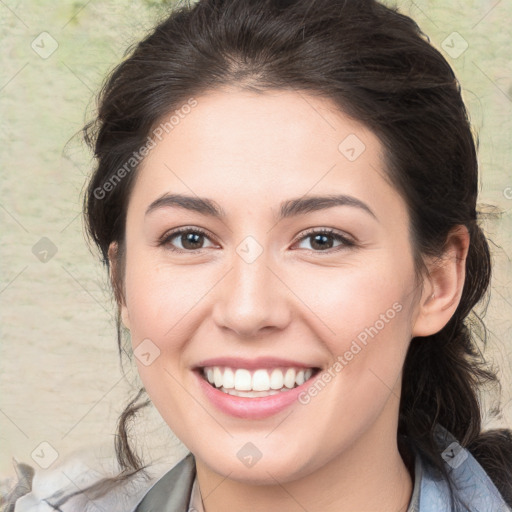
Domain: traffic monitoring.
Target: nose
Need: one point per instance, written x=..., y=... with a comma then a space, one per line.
x=252, y=299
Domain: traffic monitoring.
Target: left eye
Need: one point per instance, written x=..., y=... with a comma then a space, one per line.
x=323, y=239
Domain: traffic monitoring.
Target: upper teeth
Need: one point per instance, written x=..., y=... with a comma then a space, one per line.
x=257, y=380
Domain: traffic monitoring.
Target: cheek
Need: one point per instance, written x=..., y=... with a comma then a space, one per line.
x=160, y=297
x=357, y=302
x=365, y=315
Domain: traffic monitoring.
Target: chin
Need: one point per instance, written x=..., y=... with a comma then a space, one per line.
x=268, y=470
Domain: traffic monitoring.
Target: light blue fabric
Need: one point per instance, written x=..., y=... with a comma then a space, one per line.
x=471, y=483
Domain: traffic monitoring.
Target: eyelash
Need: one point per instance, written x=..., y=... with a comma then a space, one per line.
x=346, y=242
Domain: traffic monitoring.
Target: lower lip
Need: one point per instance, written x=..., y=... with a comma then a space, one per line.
x=251, y=408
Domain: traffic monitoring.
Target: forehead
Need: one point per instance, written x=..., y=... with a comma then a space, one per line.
x=246, y=148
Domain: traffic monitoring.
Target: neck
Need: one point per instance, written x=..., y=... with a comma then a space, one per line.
x=370, y=476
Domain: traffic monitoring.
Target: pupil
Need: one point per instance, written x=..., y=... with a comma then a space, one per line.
x=193, y=239
x=323, y=238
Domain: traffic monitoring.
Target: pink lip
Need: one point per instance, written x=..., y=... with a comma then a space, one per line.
x=251, y=364
x=250, y=408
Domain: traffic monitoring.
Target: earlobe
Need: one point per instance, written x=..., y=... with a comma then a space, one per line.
x=116, y=282
x=442, y=287
x=125, y=317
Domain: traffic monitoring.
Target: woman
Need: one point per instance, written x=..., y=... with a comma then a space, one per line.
x=285, y=197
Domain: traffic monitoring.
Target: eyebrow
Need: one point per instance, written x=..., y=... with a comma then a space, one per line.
x=289, y=208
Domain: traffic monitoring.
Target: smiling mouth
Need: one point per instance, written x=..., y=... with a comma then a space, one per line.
x=256, y=383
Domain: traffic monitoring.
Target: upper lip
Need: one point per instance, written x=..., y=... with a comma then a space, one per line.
x=259, y=362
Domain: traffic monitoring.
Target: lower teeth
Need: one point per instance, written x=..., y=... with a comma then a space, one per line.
x=253, y=394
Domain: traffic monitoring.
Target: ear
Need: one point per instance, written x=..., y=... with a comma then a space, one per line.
x=443, y=285
x=116, y=282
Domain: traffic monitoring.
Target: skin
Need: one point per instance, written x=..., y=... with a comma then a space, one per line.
x=249, y=152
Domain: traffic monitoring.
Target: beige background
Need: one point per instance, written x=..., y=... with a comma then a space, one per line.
x=60, y=380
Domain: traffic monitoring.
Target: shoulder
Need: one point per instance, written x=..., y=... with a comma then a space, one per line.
x=11, y=489
x=471, y=484
x=59, y=487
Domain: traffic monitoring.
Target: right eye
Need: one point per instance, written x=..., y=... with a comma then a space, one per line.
x=191, y=239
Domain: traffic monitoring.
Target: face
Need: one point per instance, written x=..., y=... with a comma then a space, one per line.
x=257, y=284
